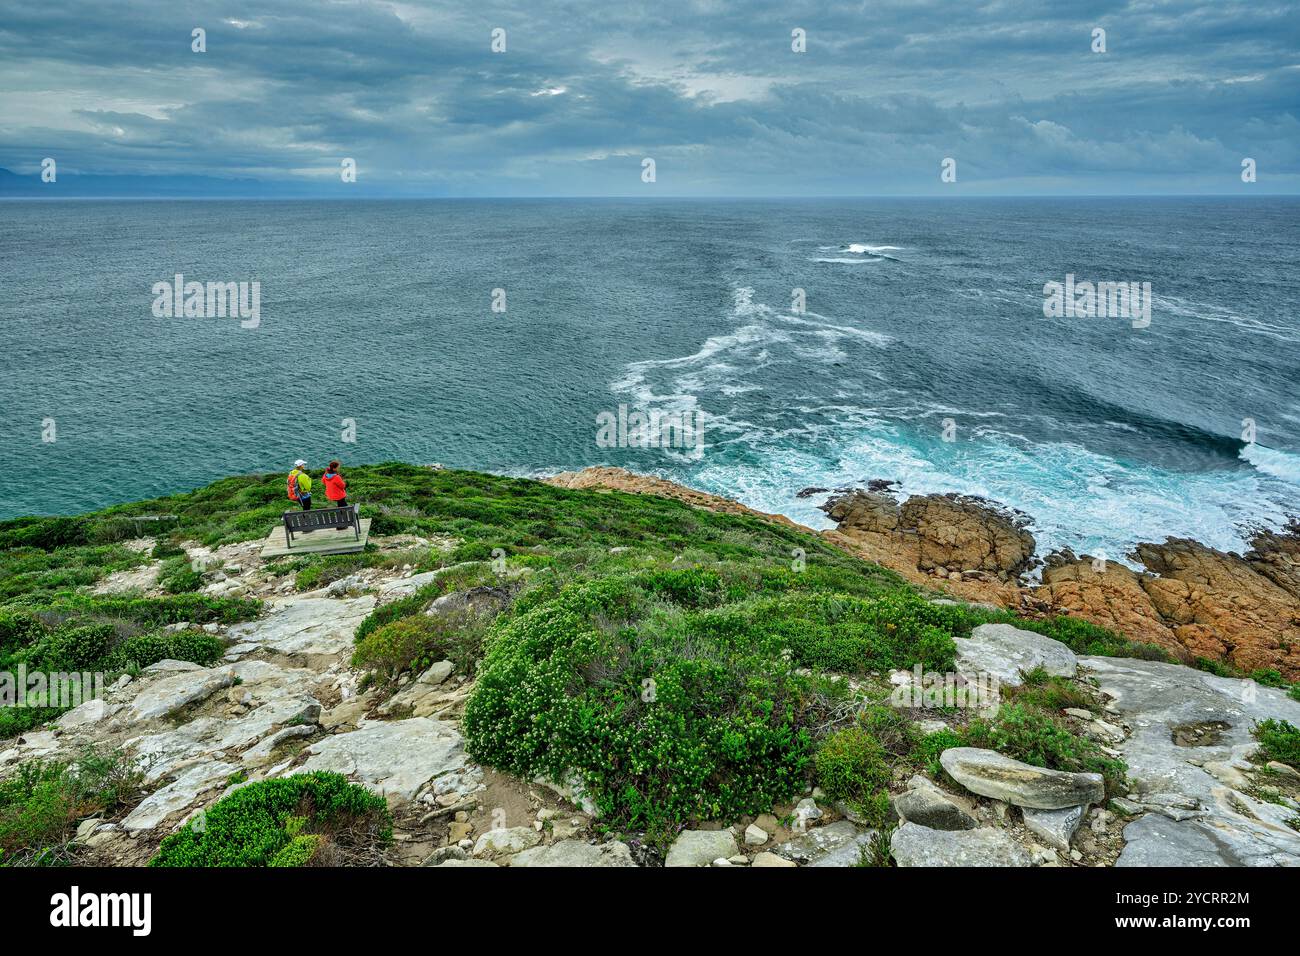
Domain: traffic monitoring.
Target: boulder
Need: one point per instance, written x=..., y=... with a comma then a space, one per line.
x=436, y=674
x=701, y=847
x=990, y=774
x=1172, y=769
x=950, y=533
x=1006, y=652
x=915, y=845
x=769, y=859
x=931, y=808
x=1054, y=827
x=91, y=712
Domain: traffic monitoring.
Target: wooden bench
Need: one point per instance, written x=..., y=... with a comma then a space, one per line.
x=319, y=519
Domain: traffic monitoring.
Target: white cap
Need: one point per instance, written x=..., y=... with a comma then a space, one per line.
x=300, y=464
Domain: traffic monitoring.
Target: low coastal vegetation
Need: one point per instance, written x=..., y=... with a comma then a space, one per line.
x=311, y=819
x=42, y=803
x=672, y=663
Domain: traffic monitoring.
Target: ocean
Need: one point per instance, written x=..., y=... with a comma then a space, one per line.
x=920, y=351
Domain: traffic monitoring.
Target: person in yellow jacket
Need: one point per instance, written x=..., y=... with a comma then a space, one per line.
x=299, y=487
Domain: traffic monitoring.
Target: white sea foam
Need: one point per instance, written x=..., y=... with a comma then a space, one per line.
x=1270, y=461
x=848, y=262
x=1208, y=312
x=860, y=247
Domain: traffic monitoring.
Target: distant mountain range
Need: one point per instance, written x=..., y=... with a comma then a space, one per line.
x=73, y=186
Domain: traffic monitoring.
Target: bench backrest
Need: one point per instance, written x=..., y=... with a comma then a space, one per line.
x=321, y=518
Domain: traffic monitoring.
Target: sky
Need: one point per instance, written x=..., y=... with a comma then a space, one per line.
x=712, y=92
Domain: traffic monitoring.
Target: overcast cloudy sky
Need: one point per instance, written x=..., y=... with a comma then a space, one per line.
x=710, y=90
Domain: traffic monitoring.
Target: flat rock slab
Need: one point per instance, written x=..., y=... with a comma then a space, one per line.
x=394, y=758
x=576, y=853
x=701, y=847
x=836, y=844
x=306, y=626
x=915, y=845
x=169, y=694
x=320, y=541
x=178, y=795
x=506, y=841
x=1006, y=652
x=990, y=774
x=1216, y=821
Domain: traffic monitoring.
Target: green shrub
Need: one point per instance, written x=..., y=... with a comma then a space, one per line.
x=1051, y=693
x=174, y=609
x=931, y=747
x=19, y=628
x=292, y=821
x=177, y=576
x=166, y=548
x=1217, y=668
x=851, y=766
x=471, y=551
x=414, y=643
x=75, y=647
x=1084, y=637
x=1278, y=740
x=453, y=579
x=1269, y=678
x=43, y=801
x=140, y=651
x=660, y=722
x=852, y=635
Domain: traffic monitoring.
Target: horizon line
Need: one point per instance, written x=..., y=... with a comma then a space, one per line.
x=710, y=198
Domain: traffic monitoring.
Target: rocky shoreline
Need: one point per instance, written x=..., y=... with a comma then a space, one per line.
x=1190, y=600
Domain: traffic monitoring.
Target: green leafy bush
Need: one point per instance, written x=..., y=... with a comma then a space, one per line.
x=177, y=576
x=141, y=650
x=174, y=609
x=43, y=801
x=19, y=628
x=1278, y=740
x=294, y=821
x=851, y=766
x=1084, y=637
x=660, y=721
x=414, y=643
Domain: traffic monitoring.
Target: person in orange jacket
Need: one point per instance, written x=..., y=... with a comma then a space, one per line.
x=336, y=489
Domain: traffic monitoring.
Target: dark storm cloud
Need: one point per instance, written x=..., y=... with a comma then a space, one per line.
x=710, y=90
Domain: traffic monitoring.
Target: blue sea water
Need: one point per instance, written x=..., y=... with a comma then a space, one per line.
x=918, y=311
